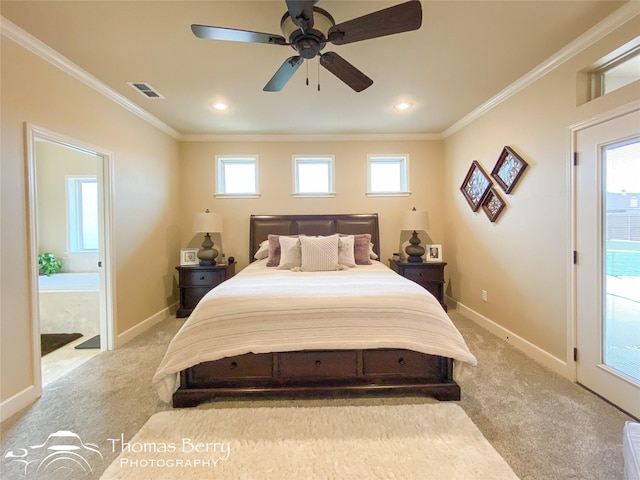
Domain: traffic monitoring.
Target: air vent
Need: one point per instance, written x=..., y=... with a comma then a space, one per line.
x=145, y=89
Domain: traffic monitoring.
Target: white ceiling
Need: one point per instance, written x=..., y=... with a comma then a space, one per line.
x=464, y=54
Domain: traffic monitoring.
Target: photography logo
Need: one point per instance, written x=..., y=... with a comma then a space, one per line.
x=62, y=456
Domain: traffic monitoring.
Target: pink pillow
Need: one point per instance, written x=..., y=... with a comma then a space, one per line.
x=274, y=249
x=361, y=248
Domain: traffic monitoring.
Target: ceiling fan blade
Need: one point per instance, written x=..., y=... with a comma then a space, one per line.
x=284, y=73
x=233, y=35
x=397, y=19
x=301, y=12
x=345, y=71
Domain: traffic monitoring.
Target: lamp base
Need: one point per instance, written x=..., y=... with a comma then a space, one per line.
x=207, y=254
x=414, y=251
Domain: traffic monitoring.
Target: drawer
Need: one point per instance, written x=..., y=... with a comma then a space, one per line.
x=199, y=278
x=192, y=295
x=318, y=363
x=403, y=362
x=424, y=274
x=241, y=366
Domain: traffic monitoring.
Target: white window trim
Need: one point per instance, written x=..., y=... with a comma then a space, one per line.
x=401, y=193
x=75, y=239
x=310, y=158
x=219, y=170
x=607, y=63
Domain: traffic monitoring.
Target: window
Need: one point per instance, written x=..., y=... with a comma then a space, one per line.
x=617, y=73
x=388, y=174
x=237, y=176
x=82, y=203
x=313, y=175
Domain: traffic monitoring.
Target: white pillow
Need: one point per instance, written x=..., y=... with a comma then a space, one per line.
x=319, y=253
x=263, y=251
x=346, y=255
x=290, y=253
x=372, y=254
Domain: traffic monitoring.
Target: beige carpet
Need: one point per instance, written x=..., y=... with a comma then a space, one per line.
x=435, y=441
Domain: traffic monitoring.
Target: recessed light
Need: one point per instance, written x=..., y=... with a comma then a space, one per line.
x=220, y=106
x=402, y=106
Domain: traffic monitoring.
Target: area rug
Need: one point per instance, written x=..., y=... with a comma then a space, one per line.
x=435, y=441
x=93, y=342
x=50, y=342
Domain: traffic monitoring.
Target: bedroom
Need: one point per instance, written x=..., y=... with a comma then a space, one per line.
x=161, y=176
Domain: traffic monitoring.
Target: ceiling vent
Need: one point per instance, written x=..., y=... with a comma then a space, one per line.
x=145, y=89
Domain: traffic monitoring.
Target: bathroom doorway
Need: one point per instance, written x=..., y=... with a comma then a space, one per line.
x=69, y=238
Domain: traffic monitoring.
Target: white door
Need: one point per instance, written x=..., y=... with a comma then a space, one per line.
x=607, y=180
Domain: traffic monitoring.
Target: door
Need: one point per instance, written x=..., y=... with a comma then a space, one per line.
x=61, y=172
x=607, y=182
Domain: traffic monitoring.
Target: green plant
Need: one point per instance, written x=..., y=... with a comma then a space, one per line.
x=48, y=263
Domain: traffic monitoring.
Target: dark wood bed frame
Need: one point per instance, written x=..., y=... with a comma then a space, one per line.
x=317, y=372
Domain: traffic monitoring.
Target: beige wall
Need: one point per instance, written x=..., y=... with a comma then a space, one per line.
x=145, y=168
x=522, y=260
x=275, y=166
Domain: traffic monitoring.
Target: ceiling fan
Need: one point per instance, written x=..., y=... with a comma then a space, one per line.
x=307, y=29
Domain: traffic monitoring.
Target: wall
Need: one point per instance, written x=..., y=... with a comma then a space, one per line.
x=275, y=167
x=145, y=171
x=523, y=260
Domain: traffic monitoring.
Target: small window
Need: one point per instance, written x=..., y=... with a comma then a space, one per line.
x=82, y=206
x=313, y=175
x=237, y=176
x=388, y=174
x=617, y=73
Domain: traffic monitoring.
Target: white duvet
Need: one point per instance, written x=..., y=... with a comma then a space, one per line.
x=263, y=309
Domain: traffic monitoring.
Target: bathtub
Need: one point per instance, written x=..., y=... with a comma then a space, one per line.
x=70, y=303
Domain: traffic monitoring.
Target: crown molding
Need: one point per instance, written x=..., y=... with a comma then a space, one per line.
x=37, y=47
x=372, y=137
x=591, y=36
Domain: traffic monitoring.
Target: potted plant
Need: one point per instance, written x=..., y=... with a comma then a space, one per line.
x=48, y=263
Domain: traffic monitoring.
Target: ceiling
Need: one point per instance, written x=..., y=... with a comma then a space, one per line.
x=465, y=53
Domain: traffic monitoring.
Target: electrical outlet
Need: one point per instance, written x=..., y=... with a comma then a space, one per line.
x=484, y=295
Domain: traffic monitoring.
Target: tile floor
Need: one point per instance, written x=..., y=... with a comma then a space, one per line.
x=61, y=361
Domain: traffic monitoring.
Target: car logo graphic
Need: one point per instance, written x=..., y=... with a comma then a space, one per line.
x=63, y=452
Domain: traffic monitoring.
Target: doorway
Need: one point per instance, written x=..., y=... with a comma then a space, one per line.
x=607, y=273
x=69, y=236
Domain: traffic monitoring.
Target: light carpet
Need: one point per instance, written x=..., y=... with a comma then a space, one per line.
x=435, y=441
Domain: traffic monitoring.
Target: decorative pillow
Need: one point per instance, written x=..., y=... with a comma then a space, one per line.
x=345, y=251
x=290, y=253
x=319, y=253
x=362, y=248
x=274, y=251
x=372, y=255
x=263, y=251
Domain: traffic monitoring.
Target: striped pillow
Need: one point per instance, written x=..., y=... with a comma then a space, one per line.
x=319, y=253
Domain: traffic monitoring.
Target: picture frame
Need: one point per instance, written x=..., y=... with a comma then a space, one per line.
x=493, y=204
x=476, y=185
x=433, y=253
x=508, y=169
x=189, y=256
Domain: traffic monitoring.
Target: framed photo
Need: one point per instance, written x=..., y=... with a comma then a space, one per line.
x=493, y=204
x=508, y=169
x=189, y=256
x=476, y=185
x=434, y=253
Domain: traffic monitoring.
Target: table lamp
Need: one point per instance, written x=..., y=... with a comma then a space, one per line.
x=415, y=220
x=207, y=222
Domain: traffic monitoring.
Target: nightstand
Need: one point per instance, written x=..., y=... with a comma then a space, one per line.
x=195, y=281
x=429, y=275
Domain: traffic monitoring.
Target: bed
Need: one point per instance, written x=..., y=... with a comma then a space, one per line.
x=274, y=330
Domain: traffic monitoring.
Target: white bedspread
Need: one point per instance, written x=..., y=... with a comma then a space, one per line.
x=263, y=310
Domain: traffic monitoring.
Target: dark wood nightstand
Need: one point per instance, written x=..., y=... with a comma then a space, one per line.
x=195, y=281
x=430, y=275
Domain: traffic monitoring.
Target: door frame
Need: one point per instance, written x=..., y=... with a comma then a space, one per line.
x=572, y=326
x=107, y=298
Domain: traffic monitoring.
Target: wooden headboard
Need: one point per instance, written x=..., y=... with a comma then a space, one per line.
x=261, y=226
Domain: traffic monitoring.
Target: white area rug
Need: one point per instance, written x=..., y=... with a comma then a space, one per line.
x=434, y=441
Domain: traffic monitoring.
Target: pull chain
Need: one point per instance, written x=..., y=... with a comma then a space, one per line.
x=318, y=73
x=307, y=73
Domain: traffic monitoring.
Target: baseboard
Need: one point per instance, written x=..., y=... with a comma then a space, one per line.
x=143, y=326
x=529, y=349
x=19, y=401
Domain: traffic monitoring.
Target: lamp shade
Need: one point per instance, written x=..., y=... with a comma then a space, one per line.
x=207, y=222
x=415, y=220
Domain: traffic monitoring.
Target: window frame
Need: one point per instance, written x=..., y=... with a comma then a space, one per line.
x=75, y=225
x=402, y=159
x=597, y=76
x=328, y=160
x=222, y=161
